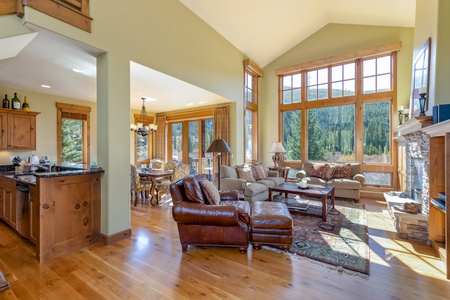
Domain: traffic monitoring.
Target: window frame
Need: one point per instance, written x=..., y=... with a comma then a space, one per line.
x=73, y=110
x=254, y=71
x=359, y=99
x=149, y=120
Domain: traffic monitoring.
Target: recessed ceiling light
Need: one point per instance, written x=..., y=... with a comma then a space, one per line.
x=149, y=99
x=190, y=104
x=45, y=86
x=202, y=102
x=78, y=71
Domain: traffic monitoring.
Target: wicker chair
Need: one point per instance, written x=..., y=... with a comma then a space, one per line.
x=138, y=186
x=162, y=187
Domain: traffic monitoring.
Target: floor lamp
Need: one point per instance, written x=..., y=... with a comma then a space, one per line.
x=219, y=146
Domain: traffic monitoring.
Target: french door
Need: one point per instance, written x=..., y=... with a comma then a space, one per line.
x=188, y=142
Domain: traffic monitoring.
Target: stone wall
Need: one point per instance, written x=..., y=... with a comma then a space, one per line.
x=418, y=146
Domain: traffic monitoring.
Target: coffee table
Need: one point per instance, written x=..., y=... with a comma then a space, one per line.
x=314, y=191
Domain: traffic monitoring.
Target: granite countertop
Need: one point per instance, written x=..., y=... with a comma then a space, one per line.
x=71, y=170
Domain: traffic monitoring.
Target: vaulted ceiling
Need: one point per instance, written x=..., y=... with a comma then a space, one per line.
x=261, y=29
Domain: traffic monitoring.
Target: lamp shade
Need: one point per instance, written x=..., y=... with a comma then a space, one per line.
x=277, y=147
x=219, y=145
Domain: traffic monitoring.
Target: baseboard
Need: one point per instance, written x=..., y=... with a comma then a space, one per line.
x=116, y=237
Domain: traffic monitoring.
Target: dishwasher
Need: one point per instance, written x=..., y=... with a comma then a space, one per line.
x=23, y=204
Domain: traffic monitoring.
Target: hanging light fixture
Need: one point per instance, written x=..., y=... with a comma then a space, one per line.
x=143, y=127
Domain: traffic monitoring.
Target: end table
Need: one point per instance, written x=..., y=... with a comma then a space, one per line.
x=283, y=171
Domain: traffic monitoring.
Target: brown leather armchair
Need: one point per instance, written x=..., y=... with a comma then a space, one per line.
x=203, y=224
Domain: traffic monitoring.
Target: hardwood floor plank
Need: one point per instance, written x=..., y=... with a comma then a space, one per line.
x=151, y=265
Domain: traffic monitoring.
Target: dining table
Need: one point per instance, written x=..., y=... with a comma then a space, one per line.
x=152, y=175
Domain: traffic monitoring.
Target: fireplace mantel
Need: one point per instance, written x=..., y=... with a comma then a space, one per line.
x=415, y=124
x=438, y=129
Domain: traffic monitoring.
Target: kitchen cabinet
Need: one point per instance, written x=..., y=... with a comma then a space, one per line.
x=9, y=202
x=34, y=215
x=17, y=129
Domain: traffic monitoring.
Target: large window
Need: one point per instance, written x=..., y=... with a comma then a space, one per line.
x=73, y=133
x=251, y=74
x=143, y=144
x=340, y=112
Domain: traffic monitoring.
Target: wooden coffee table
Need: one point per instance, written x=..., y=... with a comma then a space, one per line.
x=314, y=191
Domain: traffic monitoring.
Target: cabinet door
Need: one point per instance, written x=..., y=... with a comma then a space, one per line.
x=3, y=134
x=21, y=132
x=34, y=215
x=9, y=207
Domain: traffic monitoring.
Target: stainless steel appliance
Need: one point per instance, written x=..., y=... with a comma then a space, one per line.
x=23, y=209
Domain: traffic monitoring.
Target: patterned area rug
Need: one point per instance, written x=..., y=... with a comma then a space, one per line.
x=341, y=241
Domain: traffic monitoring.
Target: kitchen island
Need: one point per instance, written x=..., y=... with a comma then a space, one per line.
x=59, y=214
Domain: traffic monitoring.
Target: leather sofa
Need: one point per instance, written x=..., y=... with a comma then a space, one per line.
x=200, y=223
x=251, y=191
x=348, y=187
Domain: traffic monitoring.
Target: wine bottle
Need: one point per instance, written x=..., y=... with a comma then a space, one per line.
x=15, y=102
x=6, y=102
x=25, y=105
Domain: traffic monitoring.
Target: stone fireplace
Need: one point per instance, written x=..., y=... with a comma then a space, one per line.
x=417, y=162
x=418, y=169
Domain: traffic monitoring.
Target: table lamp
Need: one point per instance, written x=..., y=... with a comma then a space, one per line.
x=279, y=151
x=219, y=146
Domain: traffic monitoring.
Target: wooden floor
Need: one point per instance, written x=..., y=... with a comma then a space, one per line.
x=150, y=265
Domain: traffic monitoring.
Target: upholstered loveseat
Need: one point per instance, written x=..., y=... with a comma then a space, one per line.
x=346, y=178
x=252, y=181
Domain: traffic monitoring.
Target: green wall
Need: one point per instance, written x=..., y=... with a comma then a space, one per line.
x=331, y=40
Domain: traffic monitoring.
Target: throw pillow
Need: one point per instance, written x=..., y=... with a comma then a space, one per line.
x=342, y=171
x=193, y=190
x=245, y=173
x=319, y=171
x=211, y=192
x=258, y=172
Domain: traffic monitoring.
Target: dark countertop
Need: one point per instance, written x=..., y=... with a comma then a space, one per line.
x=9, y=171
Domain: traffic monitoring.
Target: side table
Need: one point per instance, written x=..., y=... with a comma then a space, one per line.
x=283, y=171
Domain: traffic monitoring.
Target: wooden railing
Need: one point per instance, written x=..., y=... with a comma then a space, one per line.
x=74, y=12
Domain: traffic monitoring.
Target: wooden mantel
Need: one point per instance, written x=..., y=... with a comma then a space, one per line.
x=414, y=124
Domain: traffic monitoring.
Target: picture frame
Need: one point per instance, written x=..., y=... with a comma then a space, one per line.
x=420, y=78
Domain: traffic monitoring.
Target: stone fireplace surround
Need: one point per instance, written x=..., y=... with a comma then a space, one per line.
x=413, y=226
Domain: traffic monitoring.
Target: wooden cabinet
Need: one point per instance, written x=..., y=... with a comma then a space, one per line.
x=34, y=215
x=17, y=129
x=9, y=202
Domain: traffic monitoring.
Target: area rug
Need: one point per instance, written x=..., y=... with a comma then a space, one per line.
x=342, y=241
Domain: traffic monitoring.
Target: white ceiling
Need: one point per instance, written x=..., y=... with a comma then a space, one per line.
x=261, y=29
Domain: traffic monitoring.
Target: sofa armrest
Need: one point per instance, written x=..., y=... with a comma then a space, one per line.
x=272, y=173
x=233, y=184
x=301, y=174
x=229, y=195
x=203, y=214
x=360, y=177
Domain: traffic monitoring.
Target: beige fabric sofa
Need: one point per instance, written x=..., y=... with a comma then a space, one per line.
x=252, y=191
x=344, y=187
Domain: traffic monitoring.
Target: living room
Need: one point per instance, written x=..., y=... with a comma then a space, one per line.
x=265, y=273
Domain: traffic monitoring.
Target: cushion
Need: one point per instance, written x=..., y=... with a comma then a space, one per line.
x=319, y=171
x=228, y=172
x=210, y=191
x=341, y=171
x=245, y=173
x=193, y=189
x=258, y=172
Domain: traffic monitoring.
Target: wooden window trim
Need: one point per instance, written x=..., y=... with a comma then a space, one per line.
x=359, y=99
x=252, y=69
x=64, y=108
x=341, y=59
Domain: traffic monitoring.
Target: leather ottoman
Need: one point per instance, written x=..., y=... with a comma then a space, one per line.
x=271, y=224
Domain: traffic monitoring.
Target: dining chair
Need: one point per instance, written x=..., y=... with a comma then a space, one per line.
x=138, y=186
x=162, y=187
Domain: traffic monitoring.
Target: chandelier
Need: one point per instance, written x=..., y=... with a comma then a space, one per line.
x=143, y=127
